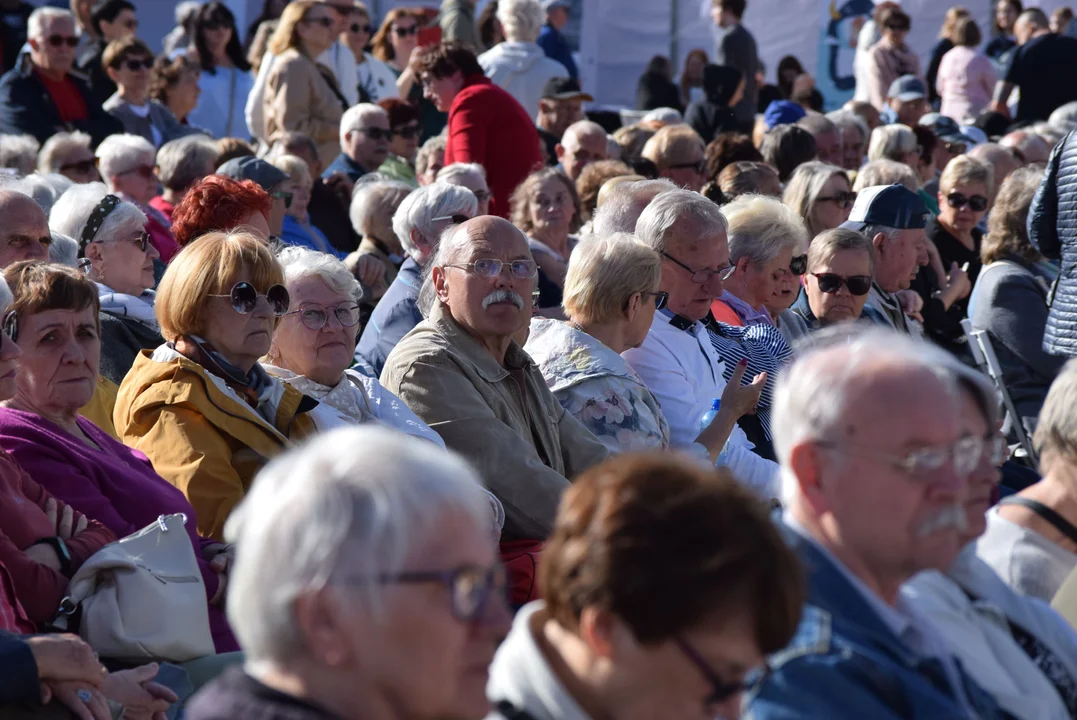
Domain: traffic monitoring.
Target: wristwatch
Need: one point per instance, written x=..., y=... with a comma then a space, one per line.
x=58, y=544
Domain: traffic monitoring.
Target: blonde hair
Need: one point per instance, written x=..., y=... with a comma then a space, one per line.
x=285, y=36
x=671, y=145
x=891, y=142
x=209, y=266
x=295, y=167
x=966, y=170
x=604, y=272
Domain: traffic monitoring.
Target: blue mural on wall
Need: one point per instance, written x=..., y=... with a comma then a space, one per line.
x=837, y=46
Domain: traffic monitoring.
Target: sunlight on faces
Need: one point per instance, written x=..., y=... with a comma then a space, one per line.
x=761, y=282
x=138, y=182
x=241, y=339
x=406, y=144
x=828, y=147
x=556, y=115
x=899, y=260
x=124, y=25
x=404, y=38
x=49, y=57
x=79, y=165
x=61, y=352
x=852, y=153
x=313, y=32
x=580, y=150
x=442, y=91
x=256, y=224
x=183, y=96
x=688, y=298
x=217, y=38
x=985, y=476
x=827, y=214
x=551, y=207
x=841, y=306
x=476, y=183
x=963, y=219
x=784, y=295
x=122, y=265
x=321, y=355
x=135, y=82
x=368, y=151
x=437, y=162
x=24, y=232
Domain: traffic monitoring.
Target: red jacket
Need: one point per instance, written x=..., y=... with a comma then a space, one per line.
x=487, y=126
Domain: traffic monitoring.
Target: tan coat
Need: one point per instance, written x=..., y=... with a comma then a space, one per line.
x=525, y=447
x=300, y=98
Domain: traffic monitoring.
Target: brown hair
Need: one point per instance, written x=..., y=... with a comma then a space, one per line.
x=743, y=178
x=632, y=138
x=382, y=49
x=728, y=148
x=520, y=202
x=894, y=18
x=443, y=60
x=166, y=73
x=118, y=50
x=37, y=287
x=591, y=180
x=666, y=545
x=1006, y=229
x=950, y=21
x=231, y=148
x=967, y=33
x=286, y=36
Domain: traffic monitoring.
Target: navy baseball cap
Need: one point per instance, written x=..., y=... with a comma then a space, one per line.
x=892, y=206
x=252, y=168
x=907, y=88
x=782, y=112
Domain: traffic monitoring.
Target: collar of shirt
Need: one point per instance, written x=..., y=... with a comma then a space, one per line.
x=747, y=313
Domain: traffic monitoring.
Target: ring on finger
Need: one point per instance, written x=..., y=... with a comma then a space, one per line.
x=84, y=695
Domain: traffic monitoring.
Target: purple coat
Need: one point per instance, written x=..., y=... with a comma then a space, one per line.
x=115, y=485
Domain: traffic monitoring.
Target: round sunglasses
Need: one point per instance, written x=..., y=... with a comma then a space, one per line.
x=976, y=203
x=244, y=298
x=830, y=283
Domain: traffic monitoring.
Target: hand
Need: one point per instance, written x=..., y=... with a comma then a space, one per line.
x=64, y=522
x=1000, y=107
x=66, y=658
x=45, y=555
x=94, y=707
x=958, y=282
x=415, y=56
x=742, y=399
x=911, y=302
x=341, y=186
x=221, y=562
x=369, y=271
x=141, y=698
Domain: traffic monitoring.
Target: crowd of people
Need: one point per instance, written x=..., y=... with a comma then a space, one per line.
x=457, y=400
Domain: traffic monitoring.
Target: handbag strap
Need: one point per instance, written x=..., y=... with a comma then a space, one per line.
x=231, y=101
x=1058, y=522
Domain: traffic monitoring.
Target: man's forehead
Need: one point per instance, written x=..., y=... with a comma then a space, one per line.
x=493, y=240
x=59, y=24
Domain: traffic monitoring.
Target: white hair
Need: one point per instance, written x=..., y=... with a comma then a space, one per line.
x=356, y=118
x=44, y=189
x=418, y=210
x=43, y=18
x=805, y=185
x=624, y=205
x=886, y=172
x=119, y=153
x=54, y=152
x=186, y=160
x=658, y=219
x=1064, y=118
x=458, y=173
x=19, y=152
x=352, y=504
x=848, y=120
x=381, y=196
x=579, y=129
x=299, y=262
x=761, y=228
x=891, y=142
x=63, y=250
x=664, y=115
x=522, y=20
x=72, y=210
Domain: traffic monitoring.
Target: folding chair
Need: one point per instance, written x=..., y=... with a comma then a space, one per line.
x=984, y=354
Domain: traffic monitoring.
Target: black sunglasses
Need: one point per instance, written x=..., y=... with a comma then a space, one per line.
x=720, y=689
x=58, y=40
x=323, y=21
x=976, y=203
x=143, y=241
x=244, y=298
x=407, y=132
x=11, y=325
x=356, y=28
x=830, y=283
x=661, y=297
x=136, y=65
x=377, y=133
x=404, y=32
x=799, y=265
x=216, y=25
x=841, y=199
x=283, y=195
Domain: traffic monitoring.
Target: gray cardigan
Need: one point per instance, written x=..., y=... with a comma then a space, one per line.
x=159, y=117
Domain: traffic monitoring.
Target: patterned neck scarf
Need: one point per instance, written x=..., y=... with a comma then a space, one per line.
x=254, y=387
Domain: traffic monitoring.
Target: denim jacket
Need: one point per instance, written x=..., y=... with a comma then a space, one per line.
x=845, y=663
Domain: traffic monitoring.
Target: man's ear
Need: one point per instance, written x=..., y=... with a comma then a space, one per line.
x=112, y=73
x=559, y=150
x=440, y=280
x=805, y=465
x=418, y=240
x=880, y=242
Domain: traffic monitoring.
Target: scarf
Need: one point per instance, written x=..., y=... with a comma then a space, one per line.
x=255, y=387
x=139, y=309
x=347, y=396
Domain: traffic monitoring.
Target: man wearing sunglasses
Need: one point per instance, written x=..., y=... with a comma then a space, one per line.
x=112, y=20
x=365, y=135
x=41, y=97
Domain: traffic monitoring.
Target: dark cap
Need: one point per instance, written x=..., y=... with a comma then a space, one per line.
x=907, y=88
x=252, y=168
x=893, y=206
x=564, y=89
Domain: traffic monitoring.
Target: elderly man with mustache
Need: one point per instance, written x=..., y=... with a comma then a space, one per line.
x=461, y=371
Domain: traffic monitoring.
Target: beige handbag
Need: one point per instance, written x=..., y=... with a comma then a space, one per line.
x=142, y=597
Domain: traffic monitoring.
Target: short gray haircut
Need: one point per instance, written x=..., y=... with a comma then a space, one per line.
x=63, y=250
x=371, y=198
x=818, y=125
x=356, y=118
x=604, y=272
x=184, y=161
x=522, y=20
x=761, y=228
x=846, y=120
x=805, y=186
x=42, y=19
x=44, y=189
x=658, y=219
x=456, y=173
x=54, y=153
x=581, y=128
x=626, y=202
x=891, y=142
x=1064, y=118
x=1049, y=133
x=353, y=503
x=119, y=153
x=72, y=210
x=419, y=209
x=870, y=231
x=886, y=172
x=426, y=153
x=19, y=152
x=1056, y=429
x=829, y=243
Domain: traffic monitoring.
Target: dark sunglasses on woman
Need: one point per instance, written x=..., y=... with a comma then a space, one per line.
x=830, y=283
x=143, y=241
x=82, y=166
x=139, y=64
x=217, y=25
x=661, y=297
x=976, y=203
x=842, y=199
x=323, y=21
x=356, y=28
x=11, y=325
x=404, y=32
x=244, y=298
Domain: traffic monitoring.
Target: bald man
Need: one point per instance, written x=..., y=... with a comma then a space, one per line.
x=1029, y=148
x=461, y=371
x=583, y=143
x=24, y=229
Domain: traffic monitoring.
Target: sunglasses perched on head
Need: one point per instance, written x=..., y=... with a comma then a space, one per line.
x=245, y=298
x=58, y=40
x=976, y=203
x=830, y=283
x=799, y=265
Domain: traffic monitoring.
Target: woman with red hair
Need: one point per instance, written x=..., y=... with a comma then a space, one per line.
x=221, y=203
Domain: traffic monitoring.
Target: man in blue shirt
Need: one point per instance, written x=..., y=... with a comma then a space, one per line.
x=552, y=41
x=364, y=142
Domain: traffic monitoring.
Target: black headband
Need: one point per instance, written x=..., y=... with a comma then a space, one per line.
x=97, y=219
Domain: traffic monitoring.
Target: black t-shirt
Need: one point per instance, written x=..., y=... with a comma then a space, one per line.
x=1042, y=68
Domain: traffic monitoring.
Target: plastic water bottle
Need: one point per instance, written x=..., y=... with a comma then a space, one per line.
x=708, y=417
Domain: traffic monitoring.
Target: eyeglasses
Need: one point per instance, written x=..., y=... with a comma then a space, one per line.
x=700, y=166
x=799, y=265
x=244, y=298
x=842, y=199
x=964, y=454
x=491, y=268
x=142, y=240
x=283, y=195
x=376, y=134
x=11, y=325
x=58, y=40
x=315, y=316
x=976, y=203
x=720, y=689
x=136, y=65
x=407, y=132
x=456, y=219
x=144, y=171
x=344, y=10
x=82, y=166
x=470, y=587
x=661, y=297
x=404, y=32
x=482, y=196
x=700, y=277
x=830, y=283
x=323, y=21
x=356, y=28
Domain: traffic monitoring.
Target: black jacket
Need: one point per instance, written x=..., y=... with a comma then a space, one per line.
x=90, y=65
x=18, y=670
x=27, y=108
x=1052, y=229
x=655, y=90
x=712, y=115
x=122, y=339
x=942, y=47
x=237, y=696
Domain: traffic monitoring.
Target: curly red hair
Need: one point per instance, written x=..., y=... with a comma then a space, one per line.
x=217, y=203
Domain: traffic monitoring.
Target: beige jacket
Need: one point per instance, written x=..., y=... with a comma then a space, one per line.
x=300, y=98
x=526, y=448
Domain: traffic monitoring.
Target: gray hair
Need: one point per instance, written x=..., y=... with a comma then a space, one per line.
x=1050, y=133
x=818, y=125
x=426, y=153
x=579, y=129
x=120, y=153
x=185, y=161
x=658, y=219
x=626, y=202
x=1056, y=429
x=352, y=503
x=44, y=189
x=299, y=262
x=63, y=250
x=383, y=196
x=806, y=184
x=1064, y=118
x=891, y=142
x=847, y=120
x=886, y=172
x=72, y=210
x=604, y=272
x=522, y=20
x=870, y=231
x=43, y=18
x=19, y=152
x=419, y=209
x=761, y=228
x=54, y=152
x=356, y=118
x=829, y=243
x=457, y=173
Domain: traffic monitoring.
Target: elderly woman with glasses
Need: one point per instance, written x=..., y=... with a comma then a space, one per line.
x=115, y=249
x=128, y=167
x=611, y=296
x=546, y=208
x=200, y=407
x=821, y=194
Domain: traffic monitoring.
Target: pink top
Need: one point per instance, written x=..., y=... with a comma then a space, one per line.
x=965, y=82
